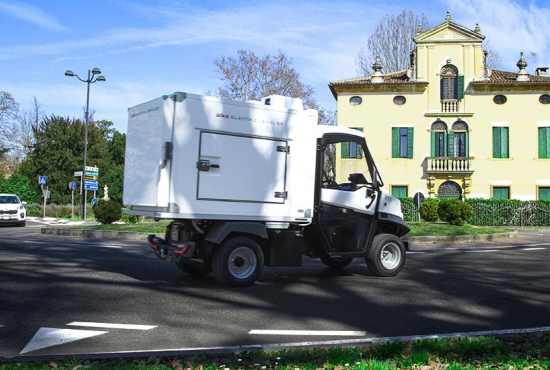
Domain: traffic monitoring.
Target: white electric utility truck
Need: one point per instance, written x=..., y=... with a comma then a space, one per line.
x=246, y=184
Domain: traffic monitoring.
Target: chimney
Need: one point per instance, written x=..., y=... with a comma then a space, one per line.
x=542, y=71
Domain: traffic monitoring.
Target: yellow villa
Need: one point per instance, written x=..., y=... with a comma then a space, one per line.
x=449, y=126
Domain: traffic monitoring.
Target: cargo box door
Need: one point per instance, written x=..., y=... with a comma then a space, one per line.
x=241, y=168
x=146, y=173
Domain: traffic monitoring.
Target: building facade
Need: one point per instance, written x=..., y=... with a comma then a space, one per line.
x=449, y=126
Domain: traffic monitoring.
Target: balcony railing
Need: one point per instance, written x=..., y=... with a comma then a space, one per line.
x=450, y=165
x=449, y=106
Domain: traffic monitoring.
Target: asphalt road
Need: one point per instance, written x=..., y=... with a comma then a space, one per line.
x=73, y=296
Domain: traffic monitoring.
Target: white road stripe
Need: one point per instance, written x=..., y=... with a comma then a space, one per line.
x=106, y=246
x=344, y=342
x=48, y=337
x=532, y=249
x=482, y=251
x=309, y=332
x=416, y=252
x=111, y=326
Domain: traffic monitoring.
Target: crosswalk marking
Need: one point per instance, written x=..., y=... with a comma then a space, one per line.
x=111, y=326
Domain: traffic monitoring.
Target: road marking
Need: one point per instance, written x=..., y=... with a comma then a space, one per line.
x=482, y=251
x=416, y=252
x=309, y=332
x=111, y=326
x=105, y=246
x=532, y=249
x=49, y=337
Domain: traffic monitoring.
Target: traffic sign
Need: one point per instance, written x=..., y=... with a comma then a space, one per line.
x=72, y=185
x=91, y=185
x=94, y=201
x=88, y=168
x=78, y=173
x=41, y=180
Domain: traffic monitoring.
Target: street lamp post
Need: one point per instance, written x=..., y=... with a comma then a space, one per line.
x=92, y=77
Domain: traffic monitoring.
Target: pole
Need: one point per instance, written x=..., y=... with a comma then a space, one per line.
x=72, y=203
x=86, y=141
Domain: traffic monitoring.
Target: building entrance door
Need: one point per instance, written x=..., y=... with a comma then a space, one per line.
x=449, y=190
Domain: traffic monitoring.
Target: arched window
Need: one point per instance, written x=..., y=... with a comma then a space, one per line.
x=459, y=140
x=449, y=76
x=452, y=85
x=439, y=139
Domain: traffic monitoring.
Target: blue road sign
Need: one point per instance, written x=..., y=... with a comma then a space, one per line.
x=72, y=185
x=94, y=201
x=41, y=180
x=91, y=185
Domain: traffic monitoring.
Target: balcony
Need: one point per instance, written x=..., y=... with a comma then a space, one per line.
x=449, y=106
x=450, y=165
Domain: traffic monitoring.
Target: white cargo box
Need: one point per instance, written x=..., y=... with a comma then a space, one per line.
x=196, y=157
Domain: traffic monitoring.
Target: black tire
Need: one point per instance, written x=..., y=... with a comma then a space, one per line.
x=386, y=256
x=22, y=223
x=238, y=261
x=193, y=269
x=335, y=263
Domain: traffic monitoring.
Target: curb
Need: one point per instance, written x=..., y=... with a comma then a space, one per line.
x=460, y=238
x=95, y=234
x=129, y=235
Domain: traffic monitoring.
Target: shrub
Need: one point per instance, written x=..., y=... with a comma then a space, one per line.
x=107, y=211
x=428, y=210
x=131, y=219
x=454, y=212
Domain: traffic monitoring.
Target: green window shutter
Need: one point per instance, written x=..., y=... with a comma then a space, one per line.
x=435, y=143
x=441, y=88
x=460, y=87
x=544, y=142
x=359, y=152
x=544, y=193
x=399, y=191
x=344, y=150
x=410, y=142
x=467, y=144
x=501, y=193
x=496, y=142
x=395, y=142
x=505, y=152
x=451, y=144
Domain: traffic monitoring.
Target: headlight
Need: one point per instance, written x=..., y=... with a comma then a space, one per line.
x=21, y=207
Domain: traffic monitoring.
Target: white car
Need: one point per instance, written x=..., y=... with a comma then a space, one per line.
x=12, y=210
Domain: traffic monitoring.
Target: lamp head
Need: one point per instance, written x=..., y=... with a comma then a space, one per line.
x=96, y=71
x=69, y=73
x=101, y=78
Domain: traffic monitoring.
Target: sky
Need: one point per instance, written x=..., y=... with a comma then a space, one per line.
x=146, y=49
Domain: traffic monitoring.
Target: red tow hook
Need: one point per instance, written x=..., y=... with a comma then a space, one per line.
x=183, y=250
x=151, y=239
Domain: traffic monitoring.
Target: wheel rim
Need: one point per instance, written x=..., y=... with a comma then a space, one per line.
x=242, y=263
x=390, y=256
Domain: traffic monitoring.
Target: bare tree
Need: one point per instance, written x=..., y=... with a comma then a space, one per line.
x=493, y=59
x=249, y=77
x=393, y=41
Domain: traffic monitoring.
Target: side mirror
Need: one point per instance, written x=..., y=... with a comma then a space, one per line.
x=24, y=203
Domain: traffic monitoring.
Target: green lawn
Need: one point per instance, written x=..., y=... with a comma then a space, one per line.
x=417, y=228
x=512, y=352
x=444, y=229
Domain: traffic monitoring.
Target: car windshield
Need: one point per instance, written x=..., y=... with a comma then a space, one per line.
x=10, y=199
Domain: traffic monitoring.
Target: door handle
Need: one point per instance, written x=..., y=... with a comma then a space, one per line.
x=205, y=165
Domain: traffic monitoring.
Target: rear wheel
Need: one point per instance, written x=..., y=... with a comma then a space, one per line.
x=238, y=261
x=386, y=256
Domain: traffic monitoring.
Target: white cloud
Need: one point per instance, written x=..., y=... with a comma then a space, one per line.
x=510, y=27
x=31, y=14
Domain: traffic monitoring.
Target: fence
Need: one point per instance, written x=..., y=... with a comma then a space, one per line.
x=510, y=213
x=493, y=212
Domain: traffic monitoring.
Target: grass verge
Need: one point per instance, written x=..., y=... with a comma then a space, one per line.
x=444, y=229
x=511, y=352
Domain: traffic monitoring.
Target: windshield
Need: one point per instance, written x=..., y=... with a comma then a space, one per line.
x=8, y=199
x=347, y=160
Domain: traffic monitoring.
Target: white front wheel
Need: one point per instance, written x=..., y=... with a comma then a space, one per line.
x=386, y=256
